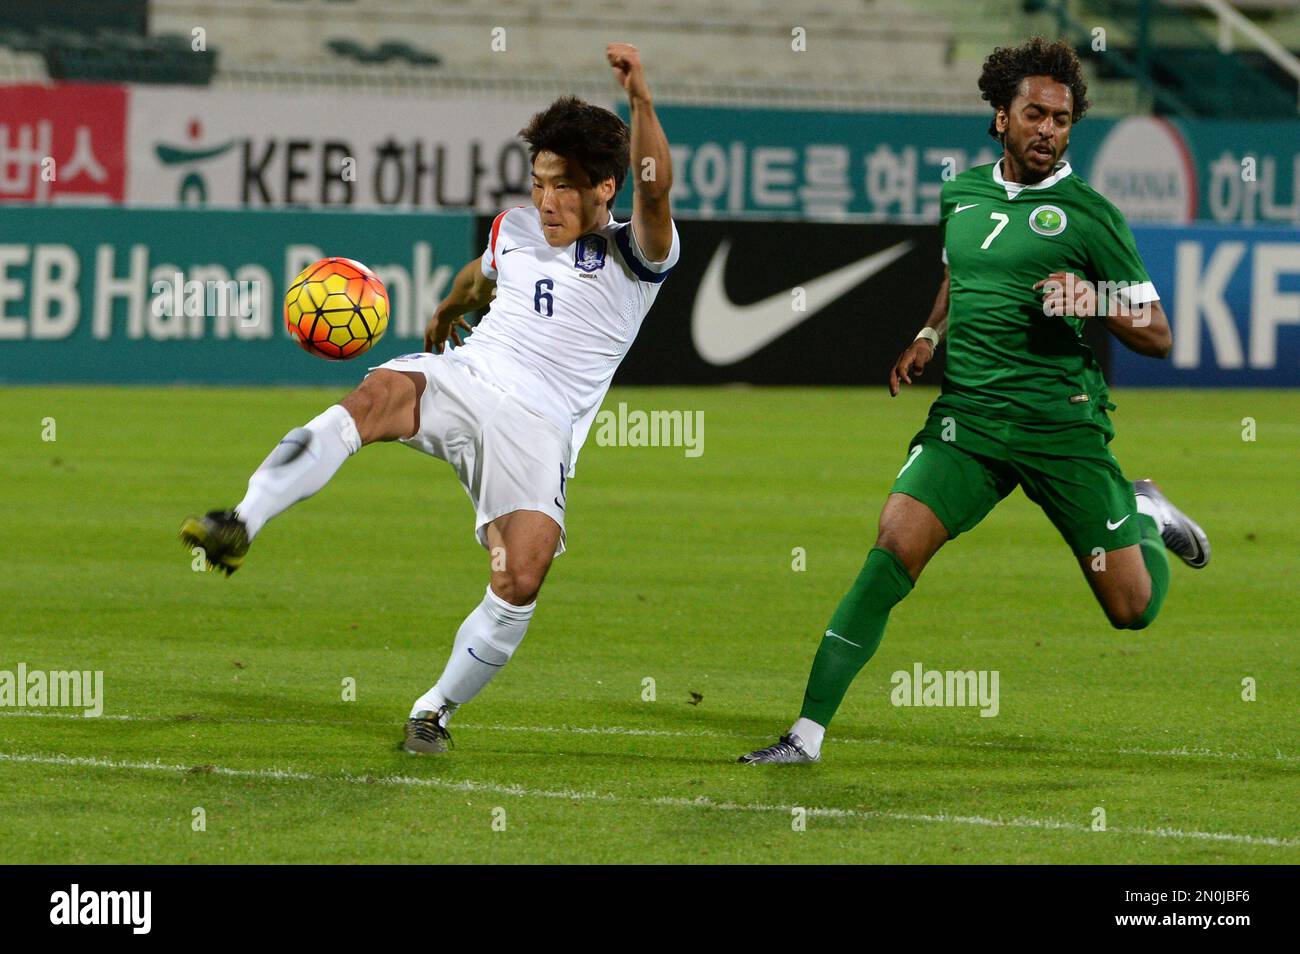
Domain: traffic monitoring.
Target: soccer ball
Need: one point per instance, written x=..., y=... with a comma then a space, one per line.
x=336, y=309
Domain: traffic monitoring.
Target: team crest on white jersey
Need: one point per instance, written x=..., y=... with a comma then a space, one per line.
x=589, y=253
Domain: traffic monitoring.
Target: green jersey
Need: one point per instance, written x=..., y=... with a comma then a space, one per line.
x=1006, y=357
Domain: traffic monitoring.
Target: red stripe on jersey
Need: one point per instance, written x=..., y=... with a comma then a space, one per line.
x=492, y=242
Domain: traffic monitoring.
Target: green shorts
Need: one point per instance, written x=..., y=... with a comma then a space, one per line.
x=960, y=465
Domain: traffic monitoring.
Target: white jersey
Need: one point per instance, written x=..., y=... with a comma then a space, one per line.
x=563, y=318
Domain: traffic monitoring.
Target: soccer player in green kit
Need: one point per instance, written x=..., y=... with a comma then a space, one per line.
x=1032, y=254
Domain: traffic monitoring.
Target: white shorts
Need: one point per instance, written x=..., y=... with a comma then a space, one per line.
x=507, y=456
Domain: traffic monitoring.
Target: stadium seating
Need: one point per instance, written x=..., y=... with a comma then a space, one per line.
x=858, y=52
x=21, y=57
x=63, y=46
x=884, y=54
x=21, y=66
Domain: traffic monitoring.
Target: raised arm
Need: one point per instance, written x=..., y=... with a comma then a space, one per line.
x=921, y=350
x=470, y=291
x=652, y=164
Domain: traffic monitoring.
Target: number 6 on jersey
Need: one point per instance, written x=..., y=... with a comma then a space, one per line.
x=541, y=297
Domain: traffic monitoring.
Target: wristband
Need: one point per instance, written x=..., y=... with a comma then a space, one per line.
x=930, y=335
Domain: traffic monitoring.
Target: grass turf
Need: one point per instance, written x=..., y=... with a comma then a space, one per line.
x=226, y=695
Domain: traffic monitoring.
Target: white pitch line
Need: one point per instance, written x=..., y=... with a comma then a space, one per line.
x=495, y=788
x=1181, y=752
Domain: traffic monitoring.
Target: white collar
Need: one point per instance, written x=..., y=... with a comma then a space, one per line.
x=1059, y=172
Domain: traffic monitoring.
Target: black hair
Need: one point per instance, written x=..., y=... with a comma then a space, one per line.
x=593, y=137
x=1007, y=66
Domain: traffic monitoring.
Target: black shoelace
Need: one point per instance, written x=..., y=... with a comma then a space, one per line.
x=783, y=746
x=428, y=730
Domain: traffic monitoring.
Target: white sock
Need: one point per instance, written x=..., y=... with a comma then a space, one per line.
x=484, y=644
x=1151, y=508
x=810, y=734
x=300, y=465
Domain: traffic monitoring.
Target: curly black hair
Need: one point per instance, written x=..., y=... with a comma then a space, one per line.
x=1008, y=65
x=593, y=137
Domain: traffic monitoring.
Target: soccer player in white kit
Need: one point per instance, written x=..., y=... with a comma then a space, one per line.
x=510, y=405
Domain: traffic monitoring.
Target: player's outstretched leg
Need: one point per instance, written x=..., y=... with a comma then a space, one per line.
x=1131, y=584
x=910, y=534
x=384, y=407
x=1163, y=526
x=523, y=543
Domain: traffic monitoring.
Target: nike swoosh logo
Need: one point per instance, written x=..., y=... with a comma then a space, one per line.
x=963, y=208
x=1115, y=526
x=507, y=251
x=484, y=661
x=842, y=639
x=725, y=332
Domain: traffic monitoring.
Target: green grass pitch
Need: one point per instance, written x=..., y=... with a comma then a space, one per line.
x=226, y=695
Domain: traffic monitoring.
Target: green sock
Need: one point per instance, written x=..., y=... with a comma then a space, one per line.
x=854, y=633
x=1157, y=561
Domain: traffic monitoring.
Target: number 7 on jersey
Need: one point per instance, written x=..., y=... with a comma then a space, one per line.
x=1002, y=219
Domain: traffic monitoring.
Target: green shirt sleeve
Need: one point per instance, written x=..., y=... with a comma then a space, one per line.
x=1113, y=257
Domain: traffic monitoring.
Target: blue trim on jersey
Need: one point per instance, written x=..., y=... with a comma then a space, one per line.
x=623, y=239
